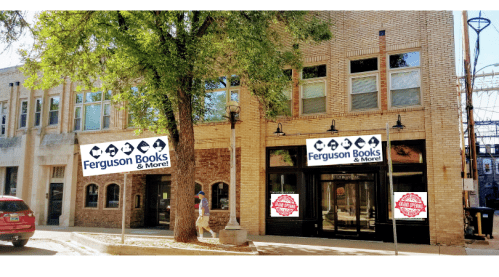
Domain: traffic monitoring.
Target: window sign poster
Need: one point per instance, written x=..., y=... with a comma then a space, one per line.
x=411, y=205
x=344, y=150
x=284, y=205
x=125, y=155
x=487, y=166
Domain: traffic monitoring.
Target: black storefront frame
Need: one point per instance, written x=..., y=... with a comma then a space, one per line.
x=309, y=221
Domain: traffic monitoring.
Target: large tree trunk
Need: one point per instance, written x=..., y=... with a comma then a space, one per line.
x=185, y=174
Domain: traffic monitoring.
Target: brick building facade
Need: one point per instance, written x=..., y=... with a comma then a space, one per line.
x=379, y=64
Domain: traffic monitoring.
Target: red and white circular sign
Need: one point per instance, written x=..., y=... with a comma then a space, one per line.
x=284, y=205
x=411, y=205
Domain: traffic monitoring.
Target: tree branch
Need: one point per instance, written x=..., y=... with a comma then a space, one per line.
x=207, y=22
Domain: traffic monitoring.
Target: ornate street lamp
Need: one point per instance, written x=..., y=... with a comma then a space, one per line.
x=233, y=110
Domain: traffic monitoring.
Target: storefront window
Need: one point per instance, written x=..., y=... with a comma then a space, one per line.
x=407, y=154
x=11, y=181
x=220, y=196
x=406, y=182
x=282, y=183
x=283, y=157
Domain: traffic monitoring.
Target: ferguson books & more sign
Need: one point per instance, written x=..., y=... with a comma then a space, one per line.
x=125, y=156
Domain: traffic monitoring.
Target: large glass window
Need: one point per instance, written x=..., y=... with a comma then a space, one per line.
x=11, y=181
x=283, y=183
x=23, y=114
x=313, y=89
x=92, y=196
x=220, y=91
x=283, y=157
x=406, y=182
x=220, y=196
x=405, y=80
x=38, y=111
x=92, y=111
x=3, y=118
x=54, y=111
x=364, y=84
x=112, y=196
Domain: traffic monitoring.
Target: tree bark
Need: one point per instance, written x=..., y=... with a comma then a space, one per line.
x=185, y=230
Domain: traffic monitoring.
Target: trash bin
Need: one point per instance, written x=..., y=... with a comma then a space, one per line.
x=487, y=219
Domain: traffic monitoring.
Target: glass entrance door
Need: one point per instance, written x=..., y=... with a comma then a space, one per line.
x=158, y=196
x=347, y=203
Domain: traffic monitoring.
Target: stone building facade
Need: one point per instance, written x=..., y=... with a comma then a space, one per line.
x=379, y=65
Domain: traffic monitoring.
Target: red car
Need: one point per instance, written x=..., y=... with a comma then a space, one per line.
x=17, y=221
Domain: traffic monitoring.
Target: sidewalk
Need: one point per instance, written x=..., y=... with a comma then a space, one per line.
x=281, y=245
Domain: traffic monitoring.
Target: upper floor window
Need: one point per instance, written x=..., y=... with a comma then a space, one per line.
x=92, y=111
x=405, y=80
x=221, y=91
x=92, y=196
x=23, y=116
x=54, y=110
x=288, y=92
x=3, y=118
x=38, y=111
x=313, y=89
x=220, y=196
x=113, y=196
x=364, y=84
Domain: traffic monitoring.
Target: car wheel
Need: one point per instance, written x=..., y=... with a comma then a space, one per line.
x=20, y=243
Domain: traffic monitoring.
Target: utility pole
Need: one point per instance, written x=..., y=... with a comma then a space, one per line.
x=469, y=102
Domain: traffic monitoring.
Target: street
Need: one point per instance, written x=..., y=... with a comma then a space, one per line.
x=47, y=247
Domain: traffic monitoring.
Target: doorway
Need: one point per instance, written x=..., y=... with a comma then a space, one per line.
x=347, y=204
x=55, y=203
x=158, y=197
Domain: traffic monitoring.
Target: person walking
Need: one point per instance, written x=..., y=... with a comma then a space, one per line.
x=204, y=216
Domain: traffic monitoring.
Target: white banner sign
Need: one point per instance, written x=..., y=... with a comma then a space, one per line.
x=125, y=155
x=344, y=150
x=411, y=205
x=284, y=205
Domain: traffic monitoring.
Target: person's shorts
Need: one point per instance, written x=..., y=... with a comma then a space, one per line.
x=203, y=221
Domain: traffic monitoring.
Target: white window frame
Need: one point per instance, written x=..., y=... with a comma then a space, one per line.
x=50, y=110
x=82, y=106
x=390, y=71
x=25, y=114
x=309, y=81
x=228, y=92
x=2, y=114
x=360, y=75
x=38, y=112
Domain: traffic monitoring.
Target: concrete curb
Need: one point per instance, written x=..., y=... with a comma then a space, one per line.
x=149, y=250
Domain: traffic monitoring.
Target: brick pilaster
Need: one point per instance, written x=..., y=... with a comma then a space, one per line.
x=382, y=71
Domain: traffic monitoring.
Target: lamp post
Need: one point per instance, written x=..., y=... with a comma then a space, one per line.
x=232, y=109
x=494, y=64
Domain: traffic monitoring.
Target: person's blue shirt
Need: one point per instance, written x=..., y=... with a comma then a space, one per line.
x=204, y=204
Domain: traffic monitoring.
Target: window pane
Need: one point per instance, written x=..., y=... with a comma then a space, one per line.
x=77, y=124
x=235, y=81
x=314, y=105
x=92, y=117
x=108, y=95
x=220, y=196
x=54, y=103
x=38, y=105
x=4, y=119
x=234, y=95
x=5, y=107
x=364, y=65
x=54, y=117
x=404, y=60
x=283, y=157
x=288, y=73
x=37, y=119
x=314, y=72
x=106, y=122
x=92, y=196
x=78, y=112
x=312, y=90
x=93, y=97
x=364, y=101
x=406, y=182
x=22, y=123
x=79, y=98
x=404, y=80
x=215, y=103
x=405, y=97
x=107, y=109
x=364, y=84
x=2, y=130
x=283, y=183
x=130, y=119
x=216, y=83
x=404, y=154
x=113, y=196
x=24, y=107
